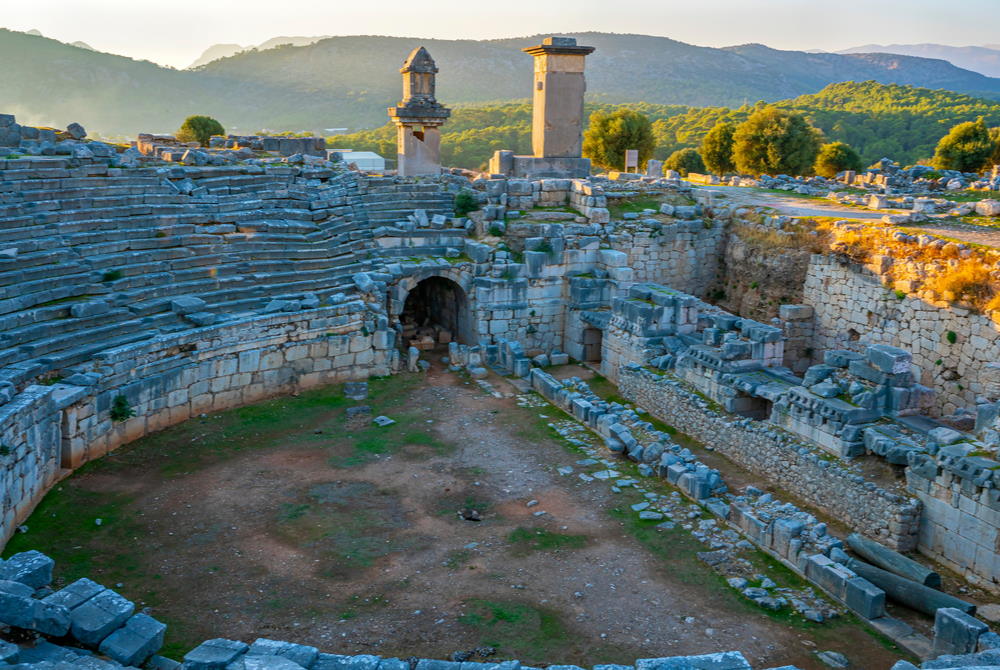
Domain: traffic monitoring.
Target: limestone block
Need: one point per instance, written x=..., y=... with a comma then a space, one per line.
x=137, y=640
x=298, y=653
x=956, y=632
x=369, y=662
x=95, y=619
x=214, y=654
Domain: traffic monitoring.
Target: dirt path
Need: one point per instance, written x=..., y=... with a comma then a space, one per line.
x=793, y=206
x=294, y=526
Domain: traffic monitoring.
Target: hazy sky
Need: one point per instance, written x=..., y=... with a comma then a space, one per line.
x=175, y=32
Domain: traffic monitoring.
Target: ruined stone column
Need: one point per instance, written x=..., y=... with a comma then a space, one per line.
x=418, y=118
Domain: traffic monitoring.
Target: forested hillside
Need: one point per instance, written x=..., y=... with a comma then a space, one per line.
x=901, y=122
x=349, y=81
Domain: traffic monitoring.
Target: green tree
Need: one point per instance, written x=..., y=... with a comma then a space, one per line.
x=199, y=129
x=966, y=147
x=685, y=161
x=995, y=157
x=775, y=141
x=836, y=157
x=611, y=133
x=717, y=148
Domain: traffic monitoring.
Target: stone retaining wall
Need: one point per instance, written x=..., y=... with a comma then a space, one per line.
x=864, y=507
x=29, y=452
x=48, y=431
x=853, y=307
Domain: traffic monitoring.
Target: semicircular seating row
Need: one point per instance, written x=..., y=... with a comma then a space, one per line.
x=92, y=257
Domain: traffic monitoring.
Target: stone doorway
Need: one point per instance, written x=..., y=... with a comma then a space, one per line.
x=593, y=339
x=436, y=312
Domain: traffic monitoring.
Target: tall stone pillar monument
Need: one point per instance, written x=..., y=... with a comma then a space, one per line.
x=557, y=126
x=418, y=118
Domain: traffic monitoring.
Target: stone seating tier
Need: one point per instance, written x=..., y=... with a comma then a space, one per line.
x=96, y=255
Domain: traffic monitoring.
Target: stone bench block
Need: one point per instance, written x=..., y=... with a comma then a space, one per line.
x=137, y=640
x=28, y=567
x=729, y=660
x=263, y=662
x=26, y=612
x=95, y=619
x=214, y=654
x=864, y=598
x=298, y=653
x=956, y=632
x=359, y=662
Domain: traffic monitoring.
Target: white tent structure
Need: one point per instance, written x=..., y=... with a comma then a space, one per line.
x=367, y=161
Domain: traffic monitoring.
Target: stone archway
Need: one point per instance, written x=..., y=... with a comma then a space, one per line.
x=435, y=312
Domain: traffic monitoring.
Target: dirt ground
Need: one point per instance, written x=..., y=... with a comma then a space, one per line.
x=282, y=521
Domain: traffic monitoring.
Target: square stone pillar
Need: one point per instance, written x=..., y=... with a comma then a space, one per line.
x=559, y=87
x=418, y=150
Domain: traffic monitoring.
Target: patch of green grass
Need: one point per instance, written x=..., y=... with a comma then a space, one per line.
x=350, y=524
x=290, y=512
x=525, y=540
x=637, y=205
x=973, y=196
x=517, y=630
x=457, y=559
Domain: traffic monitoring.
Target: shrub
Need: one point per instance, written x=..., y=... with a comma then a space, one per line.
x=970, y=280
x=199, y=129
x=951, y=336
x=994, y=158
x=465, y=202
x=717, y=149
x=612, y=133
x=836, y=157
x=685, y=161
x=112, y=275
x=967, y=147
x=496, y=230
x=774, y=141
x=120, y=409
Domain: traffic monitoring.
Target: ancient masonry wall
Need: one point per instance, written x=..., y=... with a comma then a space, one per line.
x=684, y=256
x=853, y=307
x=172, y=378
x=960, y=525
x=763, y=449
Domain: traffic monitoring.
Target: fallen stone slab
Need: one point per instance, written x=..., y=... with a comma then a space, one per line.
x=265, y=662
x=137, y=640
x=75, y=594
x=729, y=660
x=302, y=654
x=28, y=567
x=214, y=654
x=95, y=619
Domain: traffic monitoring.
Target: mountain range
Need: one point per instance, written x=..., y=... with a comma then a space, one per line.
x=982, y=59
x=349, y=81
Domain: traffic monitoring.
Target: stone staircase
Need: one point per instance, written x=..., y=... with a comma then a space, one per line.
x=91, y=257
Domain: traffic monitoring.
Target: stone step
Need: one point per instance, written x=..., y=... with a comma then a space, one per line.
x=84, y=352
x=59, y=326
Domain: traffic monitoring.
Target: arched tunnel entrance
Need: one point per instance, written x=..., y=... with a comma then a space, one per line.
x=436, y=312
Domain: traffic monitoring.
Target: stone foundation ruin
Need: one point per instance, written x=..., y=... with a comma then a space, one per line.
x=134, y=298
